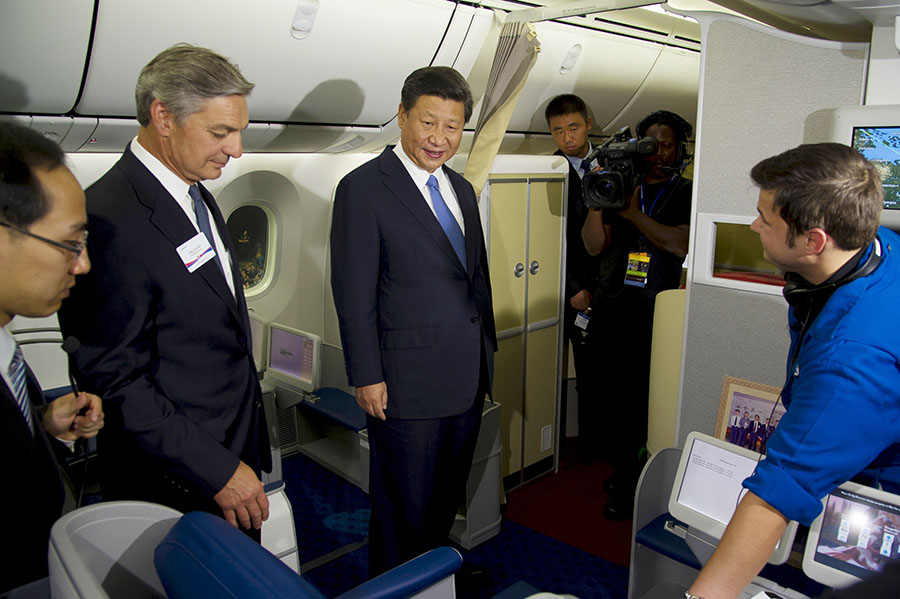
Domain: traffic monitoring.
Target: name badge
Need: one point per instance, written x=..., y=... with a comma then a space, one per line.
x=638, y=267
x=582, y=320
x=195, y=252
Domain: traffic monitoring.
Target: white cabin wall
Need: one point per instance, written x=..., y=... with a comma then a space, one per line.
x=883, y=83
x=761, y=92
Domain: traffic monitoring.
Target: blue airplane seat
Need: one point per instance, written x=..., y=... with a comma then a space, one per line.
x=203, y=556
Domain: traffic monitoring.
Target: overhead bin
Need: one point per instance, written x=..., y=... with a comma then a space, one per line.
x=348, y=70
x=43, y=48
x=608, y=71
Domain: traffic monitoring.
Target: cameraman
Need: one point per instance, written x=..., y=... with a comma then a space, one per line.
x=569, y=123
x=652, y=230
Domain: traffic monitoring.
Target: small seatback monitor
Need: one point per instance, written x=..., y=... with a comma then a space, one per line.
x=874, y=131
x=294, y=358
x=259, y=341
x=854, y=537
x=708, y=488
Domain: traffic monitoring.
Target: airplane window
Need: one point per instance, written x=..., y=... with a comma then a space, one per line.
x=739, y=256
x=249, y=229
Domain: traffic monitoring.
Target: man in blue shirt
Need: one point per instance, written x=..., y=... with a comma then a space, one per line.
x=819, y=207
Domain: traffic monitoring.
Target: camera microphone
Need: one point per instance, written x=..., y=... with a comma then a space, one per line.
x=70, y=346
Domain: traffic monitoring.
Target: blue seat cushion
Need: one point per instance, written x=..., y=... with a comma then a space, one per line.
x=204, y=556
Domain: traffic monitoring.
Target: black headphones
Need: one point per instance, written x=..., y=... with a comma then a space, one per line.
x=681, y=127
x=795, y=291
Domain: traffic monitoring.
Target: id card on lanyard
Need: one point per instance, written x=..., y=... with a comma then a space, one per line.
x=639, y=262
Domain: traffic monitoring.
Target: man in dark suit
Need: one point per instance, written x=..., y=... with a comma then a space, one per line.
x=410, y=279
x=42, y=248
x=756, y=429
x=567, y=117
x=163, y=326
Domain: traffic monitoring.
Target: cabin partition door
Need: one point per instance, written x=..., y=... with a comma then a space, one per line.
x=526, y=256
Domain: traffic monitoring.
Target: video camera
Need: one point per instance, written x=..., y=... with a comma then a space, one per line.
x=611, y=187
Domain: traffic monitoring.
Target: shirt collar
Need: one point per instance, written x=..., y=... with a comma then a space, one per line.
x=7, y=348
x=172, y=182
x=419, y=175
x=576, y=161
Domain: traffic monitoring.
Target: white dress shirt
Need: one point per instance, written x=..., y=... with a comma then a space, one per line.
x=420, y=178
x=576, y=161
x=7, y=348
x=178, y=189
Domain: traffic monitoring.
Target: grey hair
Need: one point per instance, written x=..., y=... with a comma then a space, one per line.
x=183, y=77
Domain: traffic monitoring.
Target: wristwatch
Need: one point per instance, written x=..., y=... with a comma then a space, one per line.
x=688, y=595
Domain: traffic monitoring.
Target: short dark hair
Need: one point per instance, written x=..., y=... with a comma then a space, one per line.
x=22, y=150
x=565, y=104
x=825, y=185
x=679, y=125
x=444, y=82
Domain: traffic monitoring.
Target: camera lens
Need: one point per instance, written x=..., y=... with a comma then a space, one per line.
x=604, y=190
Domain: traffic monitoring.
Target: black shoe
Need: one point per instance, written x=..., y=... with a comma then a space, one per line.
x=611, y=484
x=472, y=576
x=619, y=508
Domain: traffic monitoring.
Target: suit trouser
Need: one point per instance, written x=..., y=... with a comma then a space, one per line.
x=590, y=415
x=417, y=479
x=621, y=361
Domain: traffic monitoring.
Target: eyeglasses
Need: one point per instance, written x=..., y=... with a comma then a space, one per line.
x=75, y=247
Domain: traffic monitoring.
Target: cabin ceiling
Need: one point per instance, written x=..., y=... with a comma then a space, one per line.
x=337, y=88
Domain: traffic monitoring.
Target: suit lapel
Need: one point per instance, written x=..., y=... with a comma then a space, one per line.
x=12, y=415
x=168, y=217
x=401, y=185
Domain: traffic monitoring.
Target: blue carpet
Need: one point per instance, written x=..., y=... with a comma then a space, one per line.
x=330, y=513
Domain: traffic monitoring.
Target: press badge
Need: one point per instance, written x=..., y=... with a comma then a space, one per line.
x=638, y=267
x=195, y=252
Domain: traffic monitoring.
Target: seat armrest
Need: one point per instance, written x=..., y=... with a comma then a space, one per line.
x=407, y=579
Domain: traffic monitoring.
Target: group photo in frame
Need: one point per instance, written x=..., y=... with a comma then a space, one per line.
x=745, y=413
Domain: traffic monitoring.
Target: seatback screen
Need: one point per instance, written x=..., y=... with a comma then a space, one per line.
x=291, y=354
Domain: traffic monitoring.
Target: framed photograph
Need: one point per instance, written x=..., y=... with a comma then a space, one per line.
x=748, y=414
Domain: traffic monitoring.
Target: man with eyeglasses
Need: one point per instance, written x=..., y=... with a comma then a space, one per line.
x=163, y=324
x=42, y=240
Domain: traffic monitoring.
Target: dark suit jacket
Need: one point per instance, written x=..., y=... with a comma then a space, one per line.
x=168, y=350
x=33, y=492
x=579, y=263
x=409, y=314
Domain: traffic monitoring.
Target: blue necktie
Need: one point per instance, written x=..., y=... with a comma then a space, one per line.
x=448, y=223
x=585, y=166
x=203, y=220
x=20, y=388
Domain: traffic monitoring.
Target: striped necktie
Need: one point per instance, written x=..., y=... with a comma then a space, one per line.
x=448, y=222
x=203, y=220
x=20, y=387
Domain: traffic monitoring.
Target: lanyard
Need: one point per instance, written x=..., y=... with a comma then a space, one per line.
x=656, y=199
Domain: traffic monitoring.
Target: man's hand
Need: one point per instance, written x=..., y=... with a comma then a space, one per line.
x=632, y=209
x=581, y=301
x=243, y=499
x=64, y=418
x=373, y=399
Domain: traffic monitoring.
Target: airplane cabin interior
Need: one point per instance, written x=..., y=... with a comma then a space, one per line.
x=753, y=77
